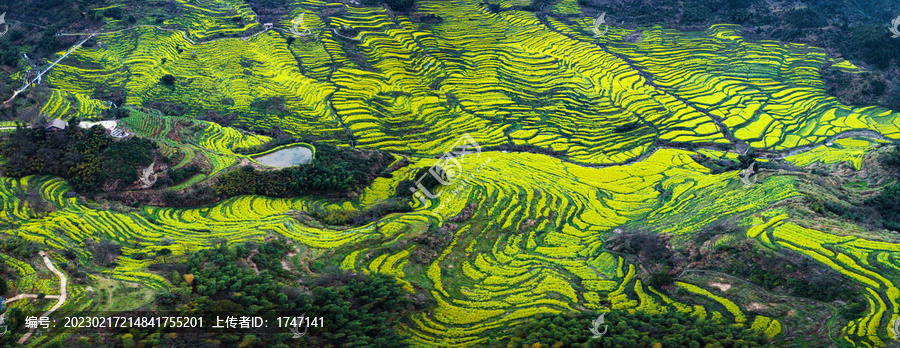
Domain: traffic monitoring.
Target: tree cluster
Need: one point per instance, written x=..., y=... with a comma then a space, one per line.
x=88, y=158
x=333, y=171
x=19, y=248
x=355, y=217
x=887, y=203
x=359, y=310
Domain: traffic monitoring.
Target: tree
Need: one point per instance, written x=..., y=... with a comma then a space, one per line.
x=127, y=340
x=3, y=286
x=661, y=278
x=106, y=252
x=168, y=80
x=164, y=252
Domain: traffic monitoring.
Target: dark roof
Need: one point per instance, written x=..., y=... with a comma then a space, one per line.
x=57, y=123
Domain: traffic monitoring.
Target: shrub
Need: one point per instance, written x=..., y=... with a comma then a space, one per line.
x=892, y=159
x=887, y=203
x=661, y=278
x=183, y=173
x=168, y=80
x=628, y=127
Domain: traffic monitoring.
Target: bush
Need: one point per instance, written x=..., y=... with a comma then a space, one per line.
x=786, y=271
x=360, y=217
x=168, y=80
x=887, y=203
x=646, y=245
x=628, y=127
x=892, y=159
x=661, y=278
x=183, y=173
x=407, y=188
x=19, y=248
x=105, y=252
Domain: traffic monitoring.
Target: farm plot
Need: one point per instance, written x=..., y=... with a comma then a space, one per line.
x=504, y=78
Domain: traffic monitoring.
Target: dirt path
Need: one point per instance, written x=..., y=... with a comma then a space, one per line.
x=250, y=261
x=63, y=295
x=109, y=300
x=22, y=296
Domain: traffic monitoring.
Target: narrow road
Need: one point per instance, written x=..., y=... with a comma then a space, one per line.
x=62, y=293
x=21, y=296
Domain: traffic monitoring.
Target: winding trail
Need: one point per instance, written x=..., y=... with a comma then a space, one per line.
x=63, y=295
x=24, y=296
x=109, y=299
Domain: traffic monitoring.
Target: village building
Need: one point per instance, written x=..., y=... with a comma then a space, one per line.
x=56, y=126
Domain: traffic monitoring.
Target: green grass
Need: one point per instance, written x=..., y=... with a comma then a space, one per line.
x=857, y=185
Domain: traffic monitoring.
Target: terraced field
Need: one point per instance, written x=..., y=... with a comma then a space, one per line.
x=611, y=128
x=513, y=80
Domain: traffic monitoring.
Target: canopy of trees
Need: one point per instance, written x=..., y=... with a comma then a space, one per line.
x=88, y=158
x=358, y=310
x=887, y=203
x=334, y=170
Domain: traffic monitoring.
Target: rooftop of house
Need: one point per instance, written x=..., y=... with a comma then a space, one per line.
x=57, y=123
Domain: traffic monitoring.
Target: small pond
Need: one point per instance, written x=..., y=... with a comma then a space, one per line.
x=288, y=157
